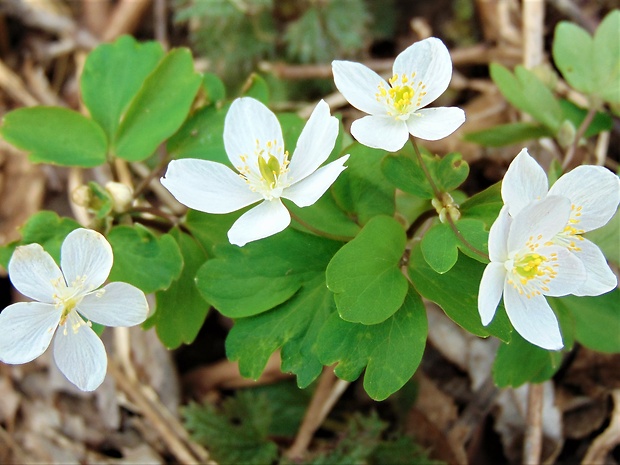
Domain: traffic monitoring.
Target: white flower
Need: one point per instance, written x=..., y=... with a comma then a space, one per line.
x=421, y=73
x=594, y=195
x=526, y=266
x=255, y=147
x=64, y=296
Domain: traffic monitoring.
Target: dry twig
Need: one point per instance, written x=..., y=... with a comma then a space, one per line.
x=328, y=391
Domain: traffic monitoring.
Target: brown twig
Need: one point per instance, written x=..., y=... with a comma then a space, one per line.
x=328, y=391
x=124, y=18
x=532, y=444
x=570, y=153
x=167, y=426
x=608, y=439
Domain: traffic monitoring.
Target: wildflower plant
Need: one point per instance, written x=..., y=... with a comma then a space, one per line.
x=326, y=253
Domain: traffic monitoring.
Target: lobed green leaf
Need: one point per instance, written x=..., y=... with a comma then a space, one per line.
x=365, y=274
x=390, y=351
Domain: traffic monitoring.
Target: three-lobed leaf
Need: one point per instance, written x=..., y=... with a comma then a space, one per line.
x=390, y=351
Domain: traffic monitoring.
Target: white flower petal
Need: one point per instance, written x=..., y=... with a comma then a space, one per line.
x=309, y=190
x=380, y=132
x=430, y=60
x=359, y=85
x=490, y=293
x=571, y=272
x=600, y=279
x=117, y=304
x=524, y=182
x=247, y=122
x=87, y=256
x=533, y=319
x=315, y=143
x=33, y=272
x=27, y=329
x=498, y=236
x=435, y=123
x=538, y=222
x=266, y=219
x=207, y=186
x=79, y=353
x=593, y=188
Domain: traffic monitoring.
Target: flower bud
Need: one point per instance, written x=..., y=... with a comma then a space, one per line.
x=121, y=195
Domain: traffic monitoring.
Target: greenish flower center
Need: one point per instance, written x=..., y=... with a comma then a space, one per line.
x=529, y=266
x=270, y=169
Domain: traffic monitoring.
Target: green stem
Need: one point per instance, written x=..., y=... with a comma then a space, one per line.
x=318, y=232
x=438, y=196
x=585, y=124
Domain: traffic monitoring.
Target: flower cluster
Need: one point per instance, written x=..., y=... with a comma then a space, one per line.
x=537, y=249
x=65, y=297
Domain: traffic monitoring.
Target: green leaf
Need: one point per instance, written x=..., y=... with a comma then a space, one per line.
x=201, y=136
x=148, y=262
x=450, y=171
x=525, y=91
x=45, y=228
x=405, y=173
x=56, y=135
x=213, y=87
x=246, y=281
x=390, y=351
x=484, y=206
x=456, y=292
x=292, y=326
x=210, y=230
x=508, y=134
x=365, y=274
x=159, y=108
x=237, y=432
x=361, y=190
x=439, y=247
x=596, y=320
x=591, y=65
x=113, y=74
x=180, y=309
x=520, y=362
x=325, y=216
x=573, y=55
x=256, y=87
x=607, y=58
